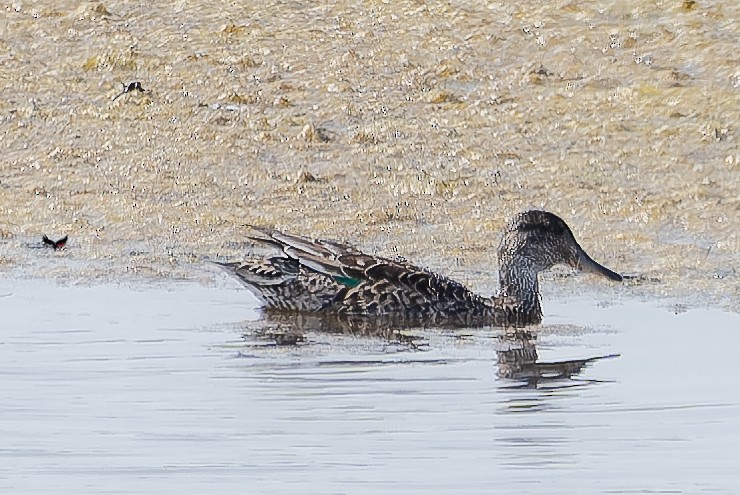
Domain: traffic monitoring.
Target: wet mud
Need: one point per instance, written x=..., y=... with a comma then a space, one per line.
x=150, y=134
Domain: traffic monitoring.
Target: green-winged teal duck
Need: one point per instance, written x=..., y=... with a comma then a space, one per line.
x=326, y=277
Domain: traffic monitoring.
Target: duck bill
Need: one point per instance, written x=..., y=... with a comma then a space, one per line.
x=586, y=264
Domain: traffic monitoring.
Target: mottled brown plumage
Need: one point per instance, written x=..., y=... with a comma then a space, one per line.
x=319, y=276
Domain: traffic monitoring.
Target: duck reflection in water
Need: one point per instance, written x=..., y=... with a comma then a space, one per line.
x=280, y=328
x=518, y=360
x=516, y=349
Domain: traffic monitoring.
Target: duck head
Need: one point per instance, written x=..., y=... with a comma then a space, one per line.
x=535, y=241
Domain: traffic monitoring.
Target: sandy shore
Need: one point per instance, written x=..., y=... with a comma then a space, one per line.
x=406, y=128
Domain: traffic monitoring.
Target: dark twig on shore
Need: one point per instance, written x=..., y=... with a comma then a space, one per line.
x=55, y=244
x=133, y=86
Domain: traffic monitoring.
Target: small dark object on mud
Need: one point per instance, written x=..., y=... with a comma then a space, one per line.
x=542, y=72
x=308, y=177
x=136, y=85
x=55, y=244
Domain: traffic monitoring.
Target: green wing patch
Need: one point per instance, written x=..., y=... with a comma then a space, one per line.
x=347, y=281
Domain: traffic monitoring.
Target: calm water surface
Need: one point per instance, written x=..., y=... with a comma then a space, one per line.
x=114, y=389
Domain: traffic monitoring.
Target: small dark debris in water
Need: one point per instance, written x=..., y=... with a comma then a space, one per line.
x=133, y=86
x=60, y=244
x=689, y=4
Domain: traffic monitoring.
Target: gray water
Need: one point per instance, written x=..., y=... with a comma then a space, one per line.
x=121, y=389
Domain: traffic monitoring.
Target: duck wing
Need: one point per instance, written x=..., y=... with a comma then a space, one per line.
x=377, y=285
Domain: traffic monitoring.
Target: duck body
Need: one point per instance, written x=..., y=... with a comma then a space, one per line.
x=327, y=277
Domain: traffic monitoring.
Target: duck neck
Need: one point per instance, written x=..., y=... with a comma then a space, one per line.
x=519, y=290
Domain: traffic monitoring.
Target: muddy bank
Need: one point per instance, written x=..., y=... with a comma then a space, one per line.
x=405, y=128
